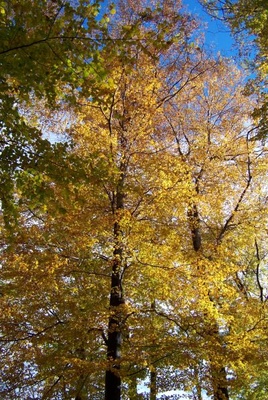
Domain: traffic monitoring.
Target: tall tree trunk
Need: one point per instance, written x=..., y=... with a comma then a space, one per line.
x=112, y=378
x=198, y=388
x=153, y=384
x=219, y=380
x=153, y=390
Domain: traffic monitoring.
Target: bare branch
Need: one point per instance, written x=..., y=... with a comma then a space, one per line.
x=257, y=272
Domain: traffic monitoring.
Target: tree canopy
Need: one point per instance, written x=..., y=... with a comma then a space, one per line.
x=248, y=20
x=138, y=261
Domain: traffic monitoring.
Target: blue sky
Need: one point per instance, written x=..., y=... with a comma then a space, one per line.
x=218, y=37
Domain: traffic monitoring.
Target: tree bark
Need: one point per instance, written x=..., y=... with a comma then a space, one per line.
x=195, y=230
x=153, y=384
x=112, y=377
x=198, y=388
x=220, y=388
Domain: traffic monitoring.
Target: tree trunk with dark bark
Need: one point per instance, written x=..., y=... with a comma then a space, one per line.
x=112, y=378
x=220, y=387
x=153, y=384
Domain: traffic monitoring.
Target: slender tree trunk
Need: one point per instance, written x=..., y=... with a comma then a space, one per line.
x=220, y=387
x=198, y=388
x=153, y=384
x=153, y=389
x=198, y=392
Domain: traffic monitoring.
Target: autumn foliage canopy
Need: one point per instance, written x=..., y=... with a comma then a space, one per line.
x=134, y=208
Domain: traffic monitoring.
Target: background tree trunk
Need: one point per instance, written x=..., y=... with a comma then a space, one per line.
x=153, y=384
x=218, y=375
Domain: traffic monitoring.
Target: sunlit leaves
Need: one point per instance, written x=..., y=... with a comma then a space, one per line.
x=248, y=20
x=158, y=173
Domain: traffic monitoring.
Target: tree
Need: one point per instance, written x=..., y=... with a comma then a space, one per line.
x=150, y=259
x=248, y=22
x=44, y=48
x=34, y=224
x=249, y=16
x=205, y=122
